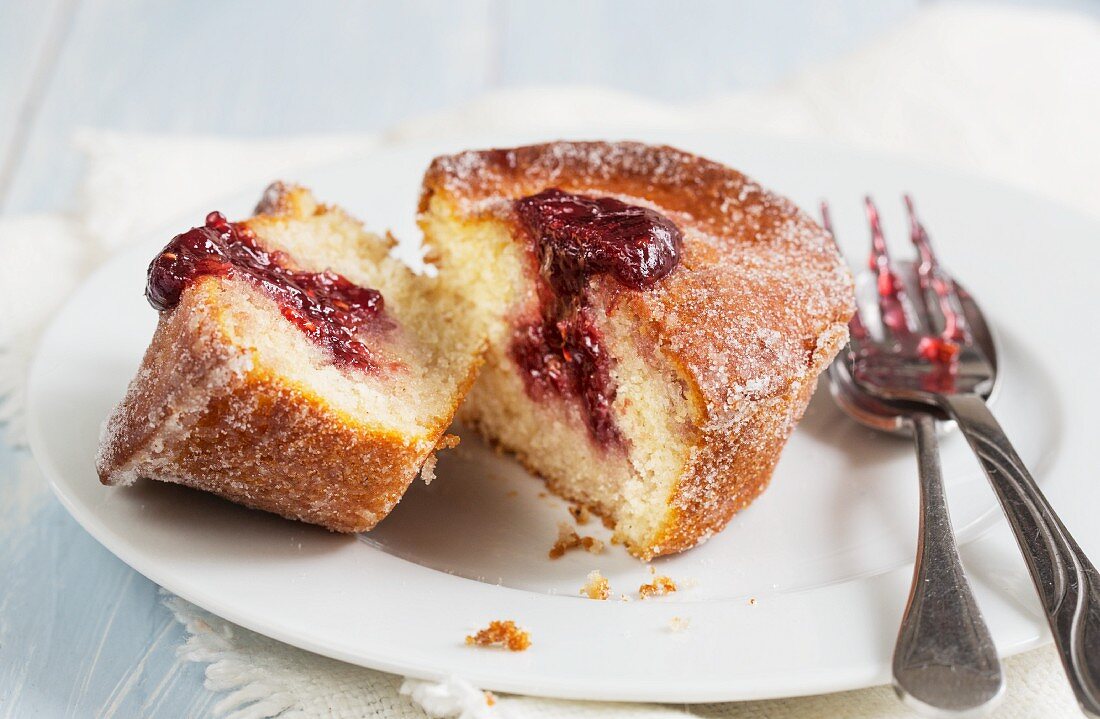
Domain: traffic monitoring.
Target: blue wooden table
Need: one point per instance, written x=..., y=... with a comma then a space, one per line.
x=80, y=633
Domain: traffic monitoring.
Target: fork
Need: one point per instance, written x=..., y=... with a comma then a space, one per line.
x=928, y=352
x=945, y=662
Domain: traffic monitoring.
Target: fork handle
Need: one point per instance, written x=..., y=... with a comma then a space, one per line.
x=1067, y=582
x=944, y=661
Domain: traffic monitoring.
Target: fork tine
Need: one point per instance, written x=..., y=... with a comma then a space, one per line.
x=891, y=292
x=857, y=331
x=932, y=277
x=922, y=303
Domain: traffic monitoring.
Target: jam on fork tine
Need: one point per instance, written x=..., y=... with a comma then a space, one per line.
x=934, y=279
x=891, y=291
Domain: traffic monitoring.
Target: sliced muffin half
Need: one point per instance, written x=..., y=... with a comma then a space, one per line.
x=656, y=324
x=296, y=367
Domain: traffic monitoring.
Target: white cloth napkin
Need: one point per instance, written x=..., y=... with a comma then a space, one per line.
x=1007, y=92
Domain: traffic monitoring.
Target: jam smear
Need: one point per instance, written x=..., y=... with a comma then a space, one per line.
x=578, y=237
x=564, y=357
x=327, y=307
x=575, y=238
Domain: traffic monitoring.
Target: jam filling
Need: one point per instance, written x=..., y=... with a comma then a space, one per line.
x=576, y=238
x=327, y=307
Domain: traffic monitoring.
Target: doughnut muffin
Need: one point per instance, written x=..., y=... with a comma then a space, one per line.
x=655, y=321
x=296, y=367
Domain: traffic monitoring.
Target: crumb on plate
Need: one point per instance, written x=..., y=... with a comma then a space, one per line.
x=678, y=624
x=659, y=587
x=569, y=539
x=597, y=586
x=501, y=634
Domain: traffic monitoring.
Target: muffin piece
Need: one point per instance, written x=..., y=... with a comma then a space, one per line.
x=296, y=367
x=656, y=324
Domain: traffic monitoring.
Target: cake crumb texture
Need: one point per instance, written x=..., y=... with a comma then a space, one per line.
x=504, y=634
x=233, y=398
x=568, y=539
x=659, y=587
x=711, y=367
x=596, y=586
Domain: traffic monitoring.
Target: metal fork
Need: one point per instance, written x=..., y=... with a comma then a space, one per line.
x=928, y=352
x=945, y=662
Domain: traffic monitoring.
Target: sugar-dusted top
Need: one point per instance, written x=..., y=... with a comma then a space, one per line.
x=759, y=284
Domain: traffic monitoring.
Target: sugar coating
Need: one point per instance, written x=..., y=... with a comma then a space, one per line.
x=715, y=363
x=233, y=399
x=764, y=279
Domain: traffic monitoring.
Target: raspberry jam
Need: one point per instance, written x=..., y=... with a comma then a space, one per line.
x=575, y=238
x=578, y=237
x=327, y=307
x=564, y=357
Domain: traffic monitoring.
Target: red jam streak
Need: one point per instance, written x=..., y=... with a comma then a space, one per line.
x=931, y=277
x=943, y=350
x=576, y=238
x=327, y=307
x=940, y=350
x=891, y=292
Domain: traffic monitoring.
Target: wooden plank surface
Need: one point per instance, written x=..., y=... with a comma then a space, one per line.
x=31, y=36
x=682, y=51
x=247, y=68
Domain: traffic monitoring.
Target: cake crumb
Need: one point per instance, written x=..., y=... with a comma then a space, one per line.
x=569, y=539
x=427, y=470
x=501, y=634
x=752, y=601
x=678, y=624
x=490, y=699
x=659, y=587
x=580, y=513
x=448, y=441
x=597, y=586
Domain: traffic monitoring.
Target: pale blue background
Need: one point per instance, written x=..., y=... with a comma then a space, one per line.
x=81, y=634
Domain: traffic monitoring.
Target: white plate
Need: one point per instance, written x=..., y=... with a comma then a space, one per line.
x=801, y=594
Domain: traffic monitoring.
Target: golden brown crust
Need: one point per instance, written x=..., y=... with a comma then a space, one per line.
x=220, y=422
x=733, y=466
x=755, y=311
x=204, y=411
x=759, y=280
